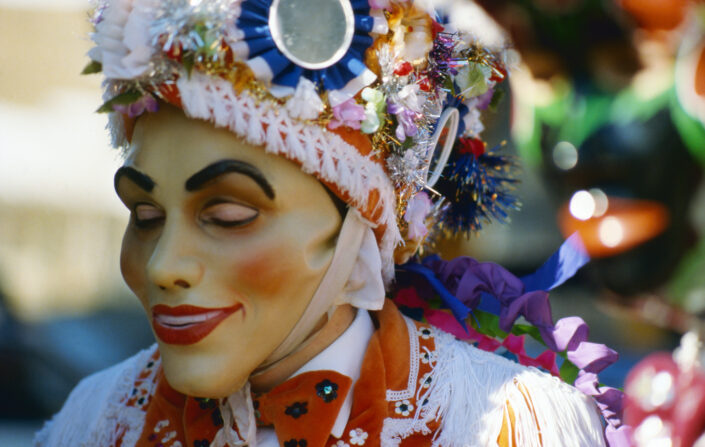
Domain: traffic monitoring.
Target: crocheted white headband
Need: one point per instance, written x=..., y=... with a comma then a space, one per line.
x=370, y=100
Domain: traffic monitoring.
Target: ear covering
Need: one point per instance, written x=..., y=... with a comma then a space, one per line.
x=353, y=276
x=365, y=287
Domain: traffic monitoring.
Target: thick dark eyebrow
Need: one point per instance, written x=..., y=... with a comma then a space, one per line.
x=142, y=180
x=197, y=180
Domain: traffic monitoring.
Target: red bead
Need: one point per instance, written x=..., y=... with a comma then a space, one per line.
x=425, y=84
x=404, y=69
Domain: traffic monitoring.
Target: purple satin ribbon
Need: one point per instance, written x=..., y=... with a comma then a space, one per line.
x=464, y=285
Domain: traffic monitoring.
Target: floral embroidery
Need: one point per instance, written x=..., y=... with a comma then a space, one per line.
x=358, y=436
x=327, y=390
x=169, y=436
x=295, y=443
x=341, y=443
x=297, y=409
x=426, y=380
x=161, y=424
x=205, y=403
x=403, y=407
x=428, y=356
x=425, y=332
x=216, y=417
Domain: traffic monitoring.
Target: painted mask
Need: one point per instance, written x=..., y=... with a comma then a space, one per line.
x=225, y=247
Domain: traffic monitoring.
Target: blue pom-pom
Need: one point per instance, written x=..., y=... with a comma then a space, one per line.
x=478, y=185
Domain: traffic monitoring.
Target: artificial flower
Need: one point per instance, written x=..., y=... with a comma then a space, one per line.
x=403, y=69
x=416, y=212
x=484, y=100
x=409, y=97
x=371, y=122
x=146, y=103
x=305, y=104
x=411, y=32
x=473, y=123
x=473, y=146
x=123, y=44
x=374, y=109
x=406, y=127
x=348, y=113
x=473, y=79
x=379, y=4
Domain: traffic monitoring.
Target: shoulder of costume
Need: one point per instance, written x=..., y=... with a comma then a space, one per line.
x=95, y=407
x=472, y=390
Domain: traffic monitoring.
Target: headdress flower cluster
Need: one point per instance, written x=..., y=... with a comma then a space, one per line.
x=376, y=115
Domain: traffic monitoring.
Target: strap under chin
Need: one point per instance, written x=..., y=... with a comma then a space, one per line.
x=353, y=276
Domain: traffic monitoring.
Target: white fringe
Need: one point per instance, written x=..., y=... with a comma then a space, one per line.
x=319, y=152
x=95, y=408
x=469, y=392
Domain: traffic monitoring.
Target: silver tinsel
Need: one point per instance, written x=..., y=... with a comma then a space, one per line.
x=191, y=25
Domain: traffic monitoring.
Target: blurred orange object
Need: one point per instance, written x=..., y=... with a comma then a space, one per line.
x=625, y=224
x=656, y=14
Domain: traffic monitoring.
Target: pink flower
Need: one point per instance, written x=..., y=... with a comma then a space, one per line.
x=379, y=4
x=348, y=113
x=146, y=103
x=416, y=211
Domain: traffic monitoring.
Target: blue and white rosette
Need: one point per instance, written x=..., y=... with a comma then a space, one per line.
x=342, y=79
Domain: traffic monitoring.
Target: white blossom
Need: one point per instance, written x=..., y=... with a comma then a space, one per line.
x=123, y=44
x=305, y=103
x=358, y=436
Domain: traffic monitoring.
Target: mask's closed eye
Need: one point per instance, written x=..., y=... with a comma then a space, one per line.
x=146, y=215
x=228, y=214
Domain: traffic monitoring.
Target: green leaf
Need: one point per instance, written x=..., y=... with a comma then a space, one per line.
x=92, y=67
x=472, y=79
x=122, y=99
x=525, y=329
x=188, y=60
x=448, y=85
x=569, y=372
x=488, y=324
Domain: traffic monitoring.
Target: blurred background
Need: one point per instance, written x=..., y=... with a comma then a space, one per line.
x=605, y=115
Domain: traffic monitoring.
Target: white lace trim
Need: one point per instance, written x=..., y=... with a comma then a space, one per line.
x=394, y=430
x=317, y=150
x=130, y=419
x=95, y=409
x=414, y=358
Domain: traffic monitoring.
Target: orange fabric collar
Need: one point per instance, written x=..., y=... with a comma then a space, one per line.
x=303, y=409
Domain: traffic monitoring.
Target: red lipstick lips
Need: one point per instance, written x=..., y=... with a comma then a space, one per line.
x=186, y=324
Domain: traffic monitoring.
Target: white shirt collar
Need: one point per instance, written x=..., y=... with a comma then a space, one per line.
x=344, y=356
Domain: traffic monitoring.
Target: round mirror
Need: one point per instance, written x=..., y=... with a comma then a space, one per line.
x=444, y=138
x=313, y=34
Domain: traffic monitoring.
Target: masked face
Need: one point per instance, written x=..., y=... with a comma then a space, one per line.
x=225, y=247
